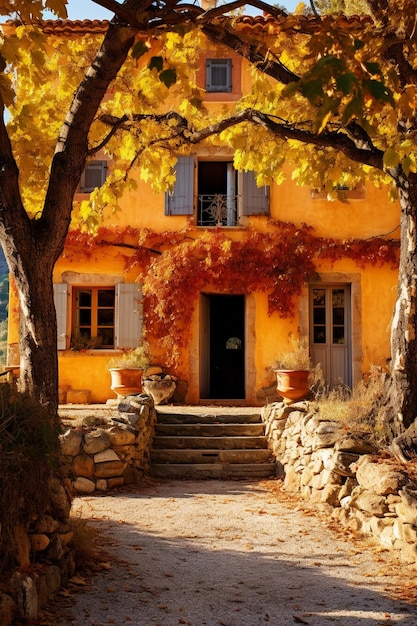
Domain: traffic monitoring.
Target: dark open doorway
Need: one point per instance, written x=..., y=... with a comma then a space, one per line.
x=222, y=368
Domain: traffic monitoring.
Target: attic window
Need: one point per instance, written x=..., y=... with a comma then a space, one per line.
x=93, y=176
x=219, y=75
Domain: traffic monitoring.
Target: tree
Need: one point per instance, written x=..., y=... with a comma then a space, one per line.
x=41, y=170
x=345, y=89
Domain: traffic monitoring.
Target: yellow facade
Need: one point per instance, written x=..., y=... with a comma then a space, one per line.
x=368, y=291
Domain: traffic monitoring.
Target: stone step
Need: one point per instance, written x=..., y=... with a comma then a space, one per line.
x=209, y=430
x=210, y=456
x=219, y=471
x=167, y=417
x=204, y=443
x=210, y=442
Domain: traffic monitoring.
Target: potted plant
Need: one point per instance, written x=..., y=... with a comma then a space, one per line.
x=293, y=369
x=127, y=370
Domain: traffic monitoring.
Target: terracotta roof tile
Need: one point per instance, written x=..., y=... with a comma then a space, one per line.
x=77, y=27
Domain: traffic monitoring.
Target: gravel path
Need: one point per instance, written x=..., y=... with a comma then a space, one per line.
x=230, y=553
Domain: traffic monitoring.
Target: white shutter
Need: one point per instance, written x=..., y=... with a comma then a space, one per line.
x=181, y=200
x=129, y=315
x=255, y=200
x=60, y=299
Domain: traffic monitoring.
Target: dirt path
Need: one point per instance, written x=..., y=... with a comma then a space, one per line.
x=231, y=554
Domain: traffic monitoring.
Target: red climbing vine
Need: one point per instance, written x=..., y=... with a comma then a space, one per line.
x=175, y=267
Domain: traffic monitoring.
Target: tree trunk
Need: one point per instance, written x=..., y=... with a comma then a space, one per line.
x=403, y=391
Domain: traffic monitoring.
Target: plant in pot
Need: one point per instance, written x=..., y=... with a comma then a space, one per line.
x=127, y=370
x=293, y=369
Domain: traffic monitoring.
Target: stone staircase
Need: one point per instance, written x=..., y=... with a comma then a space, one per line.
x=210, y=442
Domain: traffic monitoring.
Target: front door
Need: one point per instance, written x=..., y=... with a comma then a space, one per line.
x=331, y=333
x=222, y=347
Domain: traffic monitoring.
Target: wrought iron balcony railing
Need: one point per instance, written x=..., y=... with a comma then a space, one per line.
x=217, y=210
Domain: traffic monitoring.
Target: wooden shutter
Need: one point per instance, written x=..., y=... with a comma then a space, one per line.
x=219, y=75
x=93, y=176
x=129, y=315
x=255, y=200
x=60, y=299
x=181, y=200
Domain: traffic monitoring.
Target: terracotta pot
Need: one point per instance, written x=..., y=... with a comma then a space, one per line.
x=125, y=382
x=292, y=385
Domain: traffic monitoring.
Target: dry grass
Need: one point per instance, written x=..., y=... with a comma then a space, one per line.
x=360, y=409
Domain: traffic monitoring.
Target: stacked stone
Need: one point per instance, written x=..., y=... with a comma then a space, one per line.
x=113, y=454
x=342, y=472
x=44, y=542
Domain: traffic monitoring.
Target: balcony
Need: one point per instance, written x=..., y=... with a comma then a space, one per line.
x=217, y=210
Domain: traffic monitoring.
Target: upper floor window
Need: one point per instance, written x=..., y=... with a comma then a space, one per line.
x=93, y=176
x=219, y=75
x=218, y=195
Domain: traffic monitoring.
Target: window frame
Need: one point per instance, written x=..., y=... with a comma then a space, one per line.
x=94, y=326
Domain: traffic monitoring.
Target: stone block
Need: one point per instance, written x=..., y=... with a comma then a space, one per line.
x=109, y=469
x=96, y=441
x=105, y=456
x=117, y=481
x=79, y=396
x=121, y=435
x=71, y=442
x=380, y=478
x=39, y=542
x=84, y=485
x=83, y=465
x=404, y=532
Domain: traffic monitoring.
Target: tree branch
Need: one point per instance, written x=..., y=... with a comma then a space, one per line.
x=356, y=145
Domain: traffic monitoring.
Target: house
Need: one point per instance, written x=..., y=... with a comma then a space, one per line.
x=221, y=273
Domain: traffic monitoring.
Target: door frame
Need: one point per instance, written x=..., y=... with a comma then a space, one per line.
x=193, y=393
x=339, y=278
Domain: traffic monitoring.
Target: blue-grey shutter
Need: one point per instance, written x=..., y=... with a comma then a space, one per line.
x=60, y=299
x=181, y=200
x=255, y=200
x=93, y=176
x=128, y=315
x=219, y=75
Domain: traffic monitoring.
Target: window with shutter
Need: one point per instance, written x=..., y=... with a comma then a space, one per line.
x=181, y=200
x=93, y=176
x=93, y=314
x=219, y=75
x=223, y=194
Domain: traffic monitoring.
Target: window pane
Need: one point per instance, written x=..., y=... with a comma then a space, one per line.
x=84, y=297
x=338, y=335
x=84, y=317
x=105, y=297
x=107, y=337
x=105, y=317
x=319, y=297
x=319, y=316
x=319, y=335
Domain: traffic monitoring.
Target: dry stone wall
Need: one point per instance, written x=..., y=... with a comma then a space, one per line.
x=113, y=453
x=336, y=468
